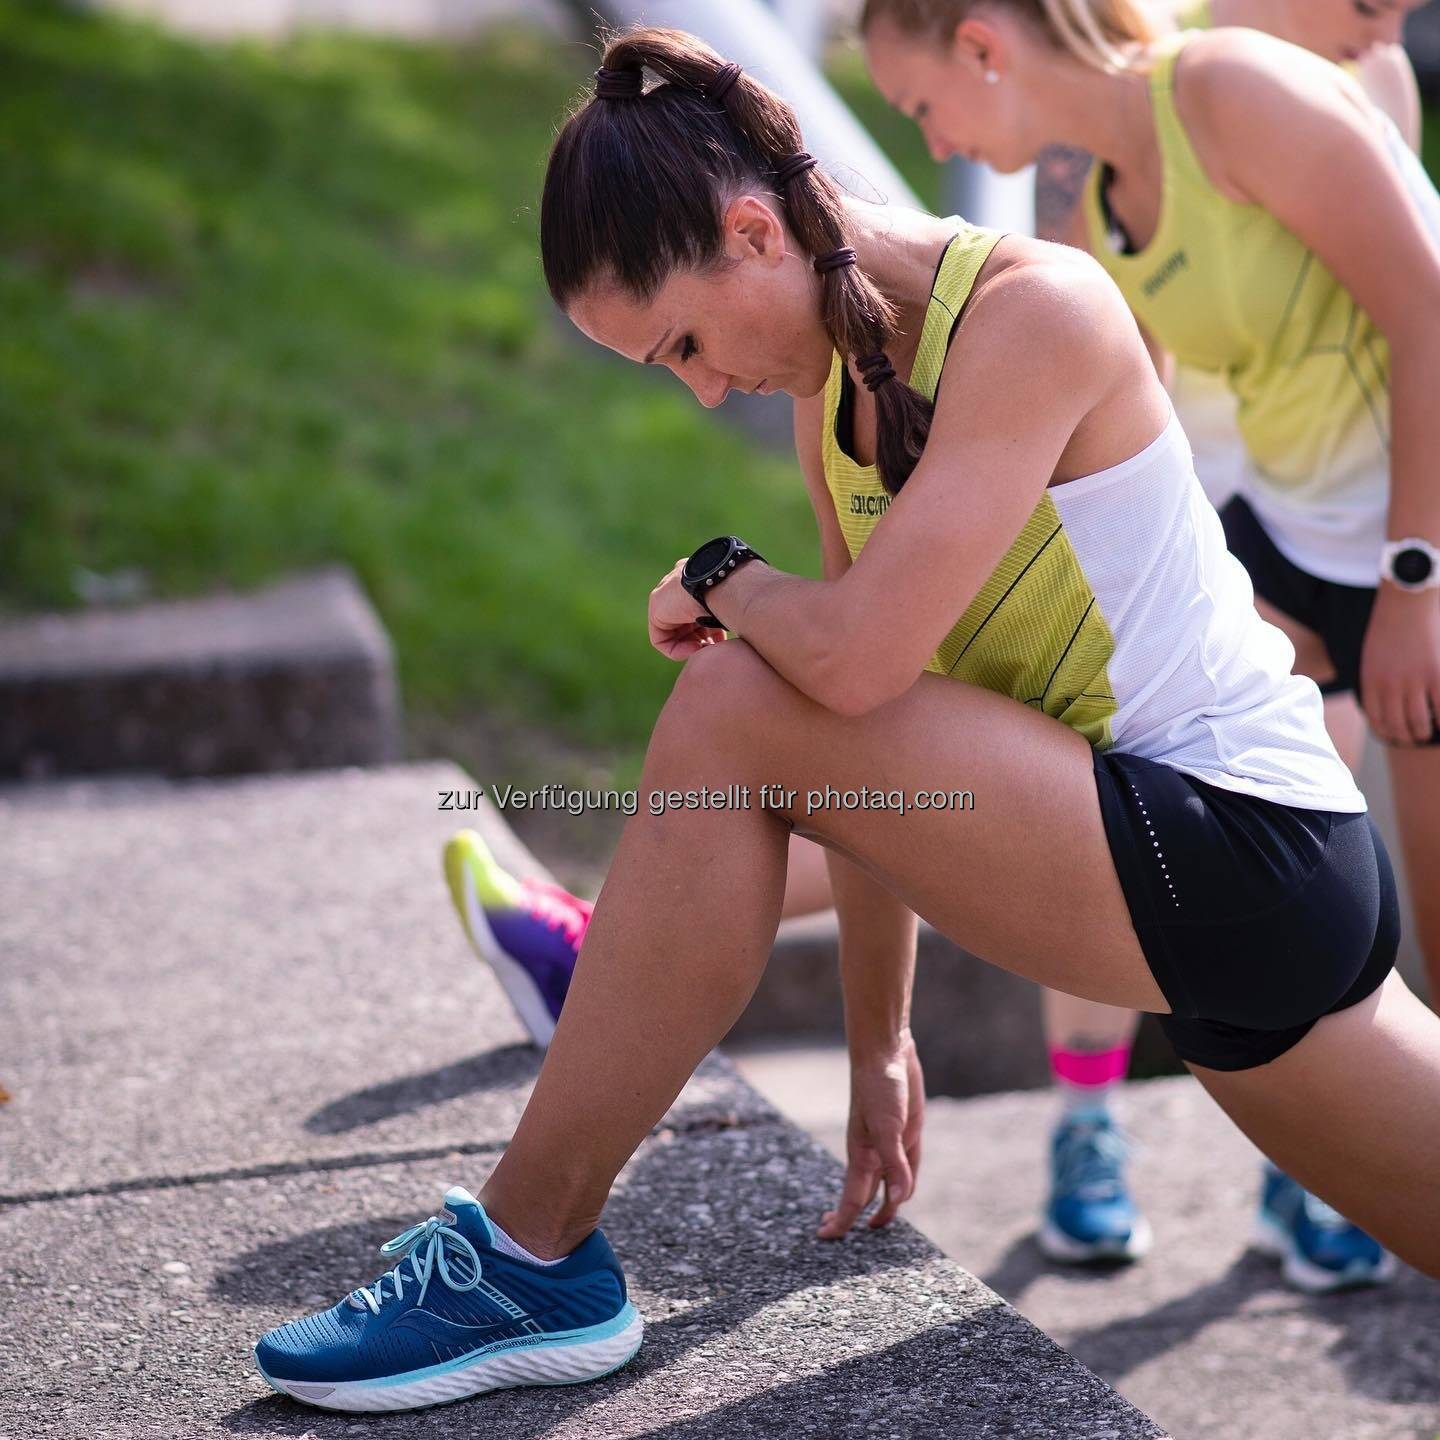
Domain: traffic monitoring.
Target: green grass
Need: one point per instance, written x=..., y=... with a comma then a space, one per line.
x=273, y=306
x=270, y=306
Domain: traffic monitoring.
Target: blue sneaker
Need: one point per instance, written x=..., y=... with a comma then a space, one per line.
x=1319, y=1249
x=528, y=931
x=1090, y=1215
x=456, y=1317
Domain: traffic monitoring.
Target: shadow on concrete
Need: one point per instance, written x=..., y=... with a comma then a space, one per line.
x=310, y=1271
x=860, y=1397
x=1389, y=1345
x=1024, y=1262
x=506, y=1068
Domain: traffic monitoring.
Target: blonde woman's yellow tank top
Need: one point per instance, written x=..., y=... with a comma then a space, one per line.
x=1226, y=287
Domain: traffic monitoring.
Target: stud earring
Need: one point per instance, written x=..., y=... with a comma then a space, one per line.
x=992, y=77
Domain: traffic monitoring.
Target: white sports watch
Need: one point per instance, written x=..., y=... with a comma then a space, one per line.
x=1412, y=564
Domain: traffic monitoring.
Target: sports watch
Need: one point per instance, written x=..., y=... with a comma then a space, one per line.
x=709, y=565
x=1412, y=564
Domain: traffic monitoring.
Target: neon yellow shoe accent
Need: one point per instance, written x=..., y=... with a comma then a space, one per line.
x=494, y=885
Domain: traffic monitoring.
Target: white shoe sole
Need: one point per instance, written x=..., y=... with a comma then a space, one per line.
x=551, y=1362
x=521, y=990
x=1057, y=1245
x=1271, y=1238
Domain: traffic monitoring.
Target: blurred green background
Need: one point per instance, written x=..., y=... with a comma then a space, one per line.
x=273, y=305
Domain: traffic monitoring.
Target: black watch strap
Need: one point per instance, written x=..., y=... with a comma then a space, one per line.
x=711, y=563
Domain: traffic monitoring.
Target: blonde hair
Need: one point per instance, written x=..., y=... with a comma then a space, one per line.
x=1091, y=30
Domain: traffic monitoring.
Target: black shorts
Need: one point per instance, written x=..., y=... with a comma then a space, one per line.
x=1256, y=918
x=1338, y=614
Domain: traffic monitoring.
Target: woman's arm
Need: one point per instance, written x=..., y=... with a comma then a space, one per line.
x=1007, y=410
x=1292, y=139
x=877, y=960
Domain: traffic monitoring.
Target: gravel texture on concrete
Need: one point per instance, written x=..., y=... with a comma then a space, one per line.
x=133, y=1314
x=248, y=1045
x=1203, y=1334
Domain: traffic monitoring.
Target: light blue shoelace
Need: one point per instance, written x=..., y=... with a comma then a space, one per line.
x=1090, y=1162
x=1321, y=1215
x=435, y=1235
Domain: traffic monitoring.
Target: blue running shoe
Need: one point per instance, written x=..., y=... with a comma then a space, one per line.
x=528, y=931
x=457, y=1317
x=1090, y=1215
x=1319, y=1249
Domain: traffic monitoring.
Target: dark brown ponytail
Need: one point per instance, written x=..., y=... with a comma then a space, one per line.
x=639, y=179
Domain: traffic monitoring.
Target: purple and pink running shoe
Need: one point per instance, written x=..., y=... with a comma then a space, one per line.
x=527, y=930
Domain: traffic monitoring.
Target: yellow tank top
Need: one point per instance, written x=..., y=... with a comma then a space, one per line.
x=1226, y=287
x=1117, y=609
x=1034, y=631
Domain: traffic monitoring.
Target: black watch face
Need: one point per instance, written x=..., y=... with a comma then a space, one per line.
x=1413, y=567
x=707, y=557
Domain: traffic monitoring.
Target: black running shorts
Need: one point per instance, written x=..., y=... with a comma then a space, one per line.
x=1256, y=918
x=1338, y=614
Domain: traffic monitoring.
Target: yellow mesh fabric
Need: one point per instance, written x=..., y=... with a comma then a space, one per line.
x=1034, y=632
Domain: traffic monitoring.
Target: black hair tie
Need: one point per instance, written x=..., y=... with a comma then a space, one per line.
x=627, y=83
x=724, y=82
x=835, y=259
x=875, y=370
x=797, y=164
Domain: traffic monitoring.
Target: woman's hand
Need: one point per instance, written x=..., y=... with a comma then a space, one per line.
x=673, y=616
x=1400, y=665
x=887, y=1111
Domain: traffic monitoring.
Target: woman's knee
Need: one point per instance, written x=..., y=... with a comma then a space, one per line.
x=723, y=688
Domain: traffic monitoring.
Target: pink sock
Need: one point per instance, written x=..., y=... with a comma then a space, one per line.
x=1086, y=1077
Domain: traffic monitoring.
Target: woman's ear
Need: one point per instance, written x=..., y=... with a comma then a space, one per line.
x=753, y=231
x=978, y=46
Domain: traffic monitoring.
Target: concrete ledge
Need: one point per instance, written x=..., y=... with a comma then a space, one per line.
x=242, y=1052
x=294, y=676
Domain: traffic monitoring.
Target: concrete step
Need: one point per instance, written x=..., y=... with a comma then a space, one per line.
x=296, y=675
x=246, y=1043
x=1203, y=1334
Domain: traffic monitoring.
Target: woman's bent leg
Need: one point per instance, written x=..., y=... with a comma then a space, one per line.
x=687, y=917
x=1350, y=1112
x=807, y=879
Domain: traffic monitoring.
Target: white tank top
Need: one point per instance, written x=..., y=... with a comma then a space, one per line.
x=1201, y=682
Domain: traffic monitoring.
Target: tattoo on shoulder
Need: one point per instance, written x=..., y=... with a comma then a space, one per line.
x=1059, y=178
